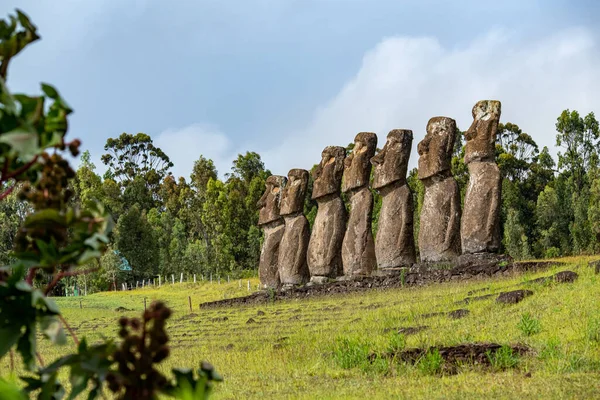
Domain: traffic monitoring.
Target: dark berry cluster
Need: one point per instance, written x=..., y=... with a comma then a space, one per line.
x=144, y=345
x=52, y=188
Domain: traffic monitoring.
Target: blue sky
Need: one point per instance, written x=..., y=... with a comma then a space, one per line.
x=286, y=78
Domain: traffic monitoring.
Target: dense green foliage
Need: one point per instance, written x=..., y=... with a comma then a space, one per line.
x=55, y=234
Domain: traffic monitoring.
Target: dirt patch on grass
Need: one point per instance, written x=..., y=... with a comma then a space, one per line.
x=413, y=277
x=514, y=297
x=454, y=356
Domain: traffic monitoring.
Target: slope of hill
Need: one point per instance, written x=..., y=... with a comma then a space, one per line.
x=356, y=345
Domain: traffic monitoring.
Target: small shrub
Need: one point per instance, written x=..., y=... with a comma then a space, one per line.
x=379, y=366
x=431, y=363
x=529, y=325
x=504, y=358
x=271, y=293
x=552, y=252
x=551, y=351
x=593, y=330
x=350, y=352
x=396, y=344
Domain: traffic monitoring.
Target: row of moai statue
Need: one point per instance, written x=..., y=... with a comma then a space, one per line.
x=343, y=245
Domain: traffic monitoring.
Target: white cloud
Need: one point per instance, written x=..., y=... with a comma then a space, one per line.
x=404, y=81
x=185, y=145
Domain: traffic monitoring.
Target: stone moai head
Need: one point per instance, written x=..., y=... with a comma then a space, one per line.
x=391, y=163
x=357, y=166
x=270, y=200
x=435, y=150
x=481, y=136
x=328, y=174
x=292, y=198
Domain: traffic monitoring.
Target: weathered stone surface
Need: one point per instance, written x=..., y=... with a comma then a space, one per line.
x=514, y=297
x=293, y=267
x=268, y=271
x=394, y=244
x=294, y=193
x=481, y=136
x=391, y=163
x=395, y=241
x=270, y=200
x=484, y=260
x=480, y=229
x=439, y=233
x=272, y=223
x=325, y=246
x=357, y=166
x=439, y=236
x=435, y=150
x=328, y=174
x=358, y=247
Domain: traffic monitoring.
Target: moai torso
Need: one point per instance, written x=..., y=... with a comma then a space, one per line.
x=480, y=228
x=293, y=267
x=324, y=249
x=394, y=243
x=439, y=234
x=270, y=220
x=358, y=247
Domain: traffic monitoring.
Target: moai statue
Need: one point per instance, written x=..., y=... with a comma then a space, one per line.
x=395, y=241
x=270, y=220
x=439, y=233
x=358, y=247
x=325, y=246
x=480, y=229
x=293, y=268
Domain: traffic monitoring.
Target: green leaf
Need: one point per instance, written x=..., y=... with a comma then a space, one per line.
x=8, y=338
x=46, y=217
x=26, y=347
x=51, y=305
x=49, y=91
x=10, y=391
x=23, y=142
x=53, y=330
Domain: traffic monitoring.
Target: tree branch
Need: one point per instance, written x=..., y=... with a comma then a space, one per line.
x=71, y=332
x=7, y=192
x=31, y=275
x=20, y=170
x=63, y=274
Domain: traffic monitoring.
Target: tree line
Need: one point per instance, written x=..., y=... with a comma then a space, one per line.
x=206, y=225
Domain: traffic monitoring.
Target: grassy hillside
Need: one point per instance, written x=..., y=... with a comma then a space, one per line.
x=320, y=348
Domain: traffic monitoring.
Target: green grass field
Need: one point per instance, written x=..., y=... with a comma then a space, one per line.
x=318, y=348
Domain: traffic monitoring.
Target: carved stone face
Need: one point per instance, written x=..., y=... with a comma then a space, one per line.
x=391, y=163
x=328, y=174
x=435, y=150
x=269, y=202
x=292, y=198
x=481, y=136
x=357, y=166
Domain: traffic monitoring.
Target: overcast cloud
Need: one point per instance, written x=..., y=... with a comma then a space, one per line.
x=286, y=78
